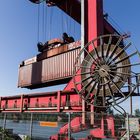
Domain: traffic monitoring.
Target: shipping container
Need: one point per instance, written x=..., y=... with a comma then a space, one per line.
x=50, y=71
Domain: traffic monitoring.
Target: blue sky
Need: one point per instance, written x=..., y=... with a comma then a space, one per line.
x=126, y=14
x=19, y=34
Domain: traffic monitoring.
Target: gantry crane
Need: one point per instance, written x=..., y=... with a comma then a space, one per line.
x=97, y=68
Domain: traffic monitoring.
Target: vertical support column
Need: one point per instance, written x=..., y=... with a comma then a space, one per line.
x=137, y=81
x=21, y=103
x=4, y=120
x=102, y=124
x=69, y=126
x=58, y=101
x=127, y=126
x=130, y=89
x=4, y=125
x=83, y=112
x=92, y=115
x=0, y=103
x=82, y=23
x=94, y=19
x=82, y=46
x=31, y=126
x=93, y=28
x=131, y=108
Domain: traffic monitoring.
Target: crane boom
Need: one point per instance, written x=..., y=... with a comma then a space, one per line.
x=71, y=7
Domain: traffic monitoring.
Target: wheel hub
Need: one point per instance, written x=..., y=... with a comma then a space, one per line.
x=104, y=71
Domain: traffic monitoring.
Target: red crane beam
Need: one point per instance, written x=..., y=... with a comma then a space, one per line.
x=73, y=9
x=42, y=102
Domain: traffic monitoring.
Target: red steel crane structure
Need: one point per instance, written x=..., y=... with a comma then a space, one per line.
x=96, y=72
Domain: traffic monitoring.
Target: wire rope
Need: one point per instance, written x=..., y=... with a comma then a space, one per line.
x=51, y=20
x=119, y=28
x=43, y=20
x=66, y=19
x=62, y=22
x=38, y=23
x=45, y=23
x=70, y=20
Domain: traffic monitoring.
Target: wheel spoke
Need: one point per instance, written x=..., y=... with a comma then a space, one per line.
x=95, y=49
x=103, y=93
x=84, y=73
x=97, y=93
x=120, y=79
x=88, y=61
x=111, y=92
x=91, y=56
x=121, y=73
x=118, y=88
x=119, y=53
x=114, y=49
x=83, y=80
x=96, y=65
x=119, y=41
x=86, y=86
x=108, y=45
x=82, y=67
x=127, y=57
x=102, y=47
x=90, y=91
x=129, y=65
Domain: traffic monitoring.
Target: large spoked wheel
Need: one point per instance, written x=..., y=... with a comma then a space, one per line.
x=102, y=71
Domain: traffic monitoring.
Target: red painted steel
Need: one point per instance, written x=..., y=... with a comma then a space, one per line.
x=100, y=131
x=111, y=125
x=94, y=28
x=94, y=19
x=76, y=126
x=58, y=101
x=45, y=102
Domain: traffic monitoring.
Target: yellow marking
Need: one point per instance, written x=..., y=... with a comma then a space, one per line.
x=48, y=124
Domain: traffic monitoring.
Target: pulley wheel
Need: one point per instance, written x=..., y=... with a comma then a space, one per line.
x=103, y=69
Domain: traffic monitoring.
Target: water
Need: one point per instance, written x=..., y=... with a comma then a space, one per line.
x=23, y=127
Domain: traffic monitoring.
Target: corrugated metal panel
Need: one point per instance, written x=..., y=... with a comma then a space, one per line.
x=50, y=69
x=36, y=73
x=59, y=66
x=25, y=74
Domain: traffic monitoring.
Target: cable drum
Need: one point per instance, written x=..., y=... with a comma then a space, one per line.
x=104, y=71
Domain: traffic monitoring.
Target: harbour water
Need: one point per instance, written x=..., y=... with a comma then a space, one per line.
x=23, y=127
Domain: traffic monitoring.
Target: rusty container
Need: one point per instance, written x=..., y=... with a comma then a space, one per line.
x=52, y=52
x=57, y=50
x=50, y=71
x=25, y=74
